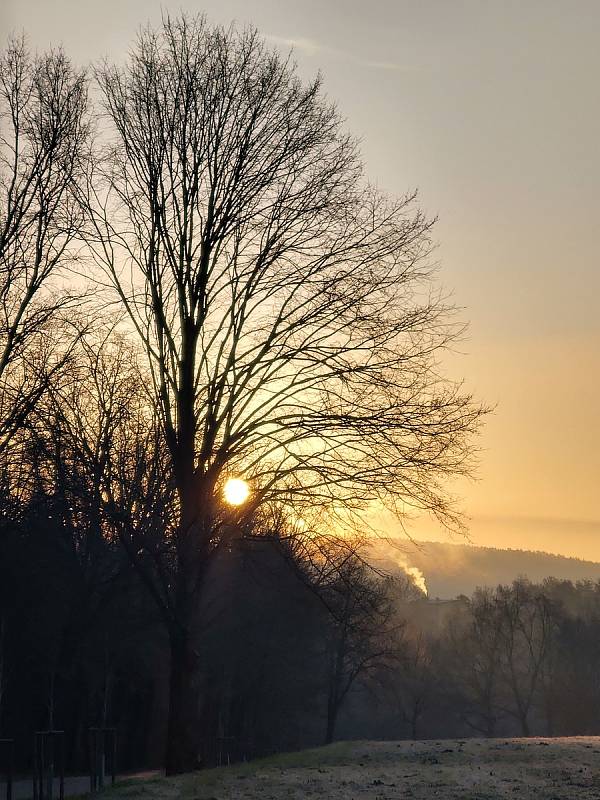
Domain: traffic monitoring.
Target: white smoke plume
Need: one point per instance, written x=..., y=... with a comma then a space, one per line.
x=416, y=576
x=386, y=552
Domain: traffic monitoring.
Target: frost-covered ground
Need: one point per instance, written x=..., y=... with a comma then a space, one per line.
x=536, y=769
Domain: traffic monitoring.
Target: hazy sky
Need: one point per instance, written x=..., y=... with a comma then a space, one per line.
x=492, y=109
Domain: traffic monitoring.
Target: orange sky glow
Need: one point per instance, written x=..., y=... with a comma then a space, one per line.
x=492, y=110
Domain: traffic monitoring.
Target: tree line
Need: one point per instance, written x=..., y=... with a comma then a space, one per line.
x=288, y=637
x=197, y=282
x=517, y=660
x=293, y=656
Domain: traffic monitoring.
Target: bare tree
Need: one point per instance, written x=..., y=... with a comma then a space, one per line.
x=415, y=681
x=101, y=439
x=526, y=623
x=44, y=132
x=285, y=306
x=473, y=649
x=362, y=635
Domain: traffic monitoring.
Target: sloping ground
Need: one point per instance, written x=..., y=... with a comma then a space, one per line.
x=476, y=769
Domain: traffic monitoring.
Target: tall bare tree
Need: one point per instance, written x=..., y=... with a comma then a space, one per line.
x=44, y=134
x=527, y=627
x=101, y=441
x=285, y=306
x=363, y=635
x=473, y=650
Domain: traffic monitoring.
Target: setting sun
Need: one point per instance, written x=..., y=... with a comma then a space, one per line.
x=236, y=491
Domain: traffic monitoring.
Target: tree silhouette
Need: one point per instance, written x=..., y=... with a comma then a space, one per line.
x=44, y=139
x=285, y=306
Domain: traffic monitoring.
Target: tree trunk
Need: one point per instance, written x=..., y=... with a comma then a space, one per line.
x=183, y=734
x=332, y=712
x=184, y=729
x=335, y=695
x=549, y=709
x=2, y=667
x=414, y=721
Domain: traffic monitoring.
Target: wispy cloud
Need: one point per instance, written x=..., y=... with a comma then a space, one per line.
x=310, y=47
x=307, y=46
x=387, y=65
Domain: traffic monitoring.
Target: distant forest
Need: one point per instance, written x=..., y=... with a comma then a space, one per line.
x=458, y=568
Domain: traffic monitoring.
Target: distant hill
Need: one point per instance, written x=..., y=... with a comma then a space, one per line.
x=453, y=569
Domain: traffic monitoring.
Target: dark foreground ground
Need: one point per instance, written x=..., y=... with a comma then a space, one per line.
x=533, y=769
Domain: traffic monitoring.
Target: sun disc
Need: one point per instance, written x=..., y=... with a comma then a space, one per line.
x=236, y=491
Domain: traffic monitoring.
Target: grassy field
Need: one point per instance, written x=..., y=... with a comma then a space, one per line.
x=474, y=769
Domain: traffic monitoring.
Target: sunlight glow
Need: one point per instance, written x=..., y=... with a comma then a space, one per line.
x=236, y=491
